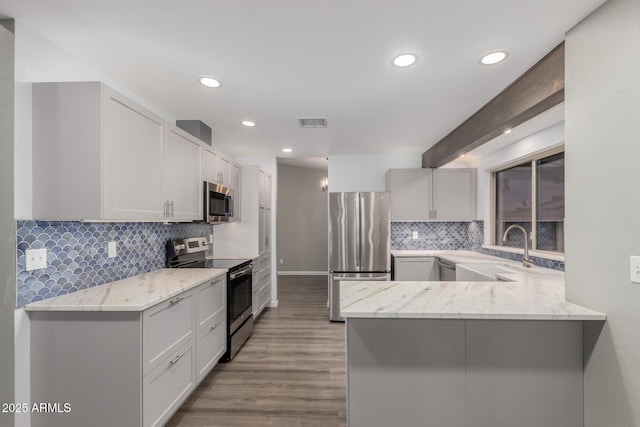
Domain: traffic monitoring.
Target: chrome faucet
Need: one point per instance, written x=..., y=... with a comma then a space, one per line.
x=526, y=262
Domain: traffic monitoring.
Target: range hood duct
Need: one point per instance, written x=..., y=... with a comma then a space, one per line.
x=196, y=128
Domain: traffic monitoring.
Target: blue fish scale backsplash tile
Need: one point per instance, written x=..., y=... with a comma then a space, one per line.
x=431, y=235
x=453, y=236
x=77, y=254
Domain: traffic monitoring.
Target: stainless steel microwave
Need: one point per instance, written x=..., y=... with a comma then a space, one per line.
x=218, y=203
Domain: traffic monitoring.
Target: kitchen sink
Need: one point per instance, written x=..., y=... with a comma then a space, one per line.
x=483, y=272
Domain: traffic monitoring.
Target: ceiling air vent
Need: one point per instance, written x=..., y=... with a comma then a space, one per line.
x=313, y=123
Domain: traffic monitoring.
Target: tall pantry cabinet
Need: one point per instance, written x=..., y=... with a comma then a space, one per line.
x=253, y=233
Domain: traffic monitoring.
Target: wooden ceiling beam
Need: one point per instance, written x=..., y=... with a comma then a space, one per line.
x=537, y=90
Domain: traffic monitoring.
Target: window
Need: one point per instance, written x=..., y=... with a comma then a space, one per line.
x=531, y=194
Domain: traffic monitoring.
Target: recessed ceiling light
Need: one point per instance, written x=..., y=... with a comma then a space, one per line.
x=248, y=123
x=209, y=81
x=461, y=156
x=494, y=57
x=287, y=150
x=507, y=131
x=405, y=60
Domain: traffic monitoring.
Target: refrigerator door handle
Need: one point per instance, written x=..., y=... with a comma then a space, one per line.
x=359, y=244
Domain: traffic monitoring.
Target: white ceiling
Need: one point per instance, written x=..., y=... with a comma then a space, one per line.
x=280, y=60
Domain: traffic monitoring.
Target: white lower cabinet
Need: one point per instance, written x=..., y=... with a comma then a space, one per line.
x=211, y=345
x=175, y=358
x=167, y=386
x=165, y=327
x=148, y=362
x=262, y=284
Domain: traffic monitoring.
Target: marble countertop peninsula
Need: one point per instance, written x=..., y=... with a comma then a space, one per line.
x=133, y=294
x=530, y=294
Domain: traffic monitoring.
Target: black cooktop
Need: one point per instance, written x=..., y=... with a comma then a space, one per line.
x=228, y=263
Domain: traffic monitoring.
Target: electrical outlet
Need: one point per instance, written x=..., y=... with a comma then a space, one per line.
x=414, y=235
x=281, y=261
x=113, y=250
x=634, y=270
x=35, y=259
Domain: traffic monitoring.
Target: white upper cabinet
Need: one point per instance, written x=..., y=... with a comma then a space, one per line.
x=265, y=190
x=132, y=149
x=223, y=173
x=261, y=188
x=100, y=156
x=209, y=164
x=454, y=194
x=410, y=200
x=234, y=181
x=432, y=194
x=183, y=179
x=96, y=155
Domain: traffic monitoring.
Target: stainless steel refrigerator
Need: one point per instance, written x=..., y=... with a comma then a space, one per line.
x=359, y=241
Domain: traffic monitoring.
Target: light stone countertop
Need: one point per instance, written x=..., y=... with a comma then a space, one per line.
x=133, y=294
x=532, y=294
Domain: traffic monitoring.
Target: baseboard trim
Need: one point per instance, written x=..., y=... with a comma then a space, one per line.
x=302, y=273
x=274, y=304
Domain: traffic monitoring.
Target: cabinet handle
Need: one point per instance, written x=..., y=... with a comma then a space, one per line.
x=166, y=209
x=175, y=360
x=175, y=300
x=220, y=178
x=171, y=204
x=215, y=325
x=435, y=214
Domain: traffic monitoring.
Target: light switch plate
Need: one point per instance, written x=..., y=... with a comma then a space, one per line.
x=634, y=270
x=113, y=251
x=35, y=259
x=414, y=235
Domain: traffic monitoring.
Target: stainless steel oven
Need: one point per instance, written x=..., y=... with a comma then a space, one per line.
x=240, y=284
x=190, y=253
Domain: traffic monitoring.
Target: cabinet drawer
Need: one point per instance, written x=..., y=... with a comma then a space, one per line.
x=211, y=344
x=264, y=295
x=211, y=299
x=264, y=276
x=167, y=386
x=264, y=261
x=166, y=327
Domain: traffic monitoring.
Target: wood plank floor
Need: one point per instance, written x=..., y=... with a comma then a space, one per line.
x=291, y=372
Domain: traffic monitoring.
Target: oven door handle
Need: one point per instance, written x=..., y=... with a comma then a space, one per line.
x=240, y=273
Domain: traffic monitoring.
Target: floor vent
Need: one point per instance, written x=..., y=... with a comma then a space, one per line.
x=313, y=123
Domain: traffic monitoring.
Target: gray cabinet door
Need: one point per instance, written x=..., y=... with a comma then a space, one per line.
x=405, y=372
x=414, y=268
x=524, y=373
x=410, y=194
x=454, y=194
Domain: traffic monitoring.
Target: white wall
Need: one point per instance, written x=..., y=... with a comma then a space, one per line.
x=366, y=172
x=603, y=208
